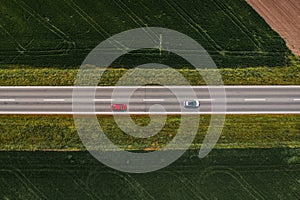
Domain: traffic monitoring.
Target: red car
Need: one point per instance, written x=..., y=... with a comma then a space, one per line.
x=118, y=107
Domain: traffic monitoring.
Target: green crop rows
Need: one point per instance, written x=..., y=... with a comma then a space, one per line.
x=34, y=132
x=223, y=174
x=64, y=32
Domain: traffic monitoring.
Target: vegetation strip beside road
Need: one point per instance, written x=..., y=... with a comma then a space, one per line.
x=50, y=132
x=26, y=76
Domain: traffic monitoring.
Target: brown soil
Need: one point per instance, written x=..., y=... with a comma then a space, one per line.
x=283, y=16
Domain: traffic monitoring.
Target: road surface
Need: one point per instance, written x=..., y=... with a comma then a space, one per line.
x=239, y=100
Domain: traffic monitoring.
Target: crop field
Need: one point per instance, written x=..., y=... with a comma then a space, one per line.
x=49, y=33
x=282, y=16
x=223, y=174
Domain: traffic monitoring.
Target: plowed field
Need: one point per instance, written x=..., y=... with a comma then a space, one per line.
x=283, y=17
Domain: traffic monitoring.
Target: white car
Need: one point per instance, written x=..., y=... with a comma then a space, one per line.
x=191, y=104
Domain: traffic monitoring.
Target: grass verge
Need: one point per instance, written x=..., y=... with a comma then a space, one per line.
x=28, y=76
x=43, y=132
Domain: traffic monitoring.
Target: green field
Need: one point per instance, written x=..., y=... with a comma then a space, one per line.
x=49, y=33
x=223, y=174
x=38, y=132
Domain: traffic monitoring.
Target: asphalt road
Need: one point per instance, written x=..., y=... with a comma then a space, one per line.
x=239, y=100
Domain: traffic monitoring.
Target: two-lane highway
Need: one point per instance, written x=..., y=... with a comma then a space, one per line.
x=239, y=99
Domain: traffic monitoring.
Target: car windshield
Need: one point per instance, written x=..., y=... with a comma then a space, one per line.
x=192, y=103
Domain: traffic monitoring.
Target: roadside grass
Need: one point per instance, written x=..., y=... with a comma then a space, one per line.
x=52, y=132
x=30, y=76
